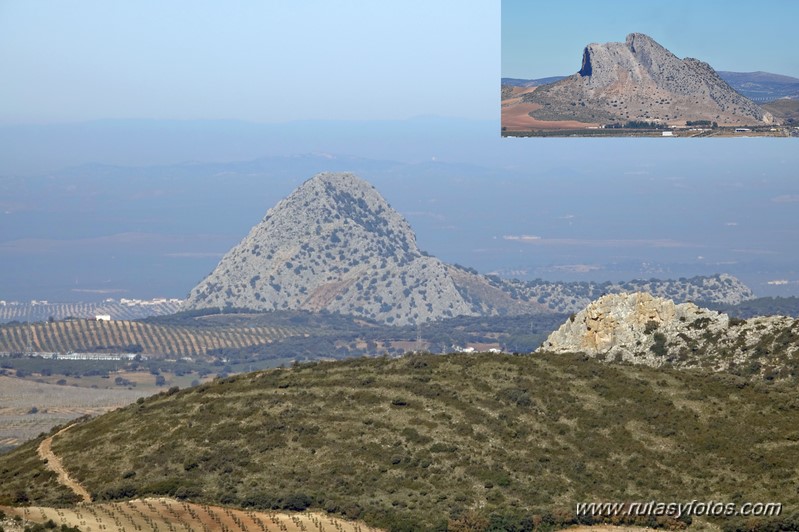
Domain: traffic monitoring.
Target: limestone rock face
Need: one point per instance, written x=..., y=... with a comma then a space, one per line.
x=643, y=329
x=622, y=324
x=641, y=80
x=333, y=244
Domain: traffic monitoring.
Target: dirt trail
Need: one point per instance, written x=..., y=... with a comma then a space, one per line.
x=53, y=462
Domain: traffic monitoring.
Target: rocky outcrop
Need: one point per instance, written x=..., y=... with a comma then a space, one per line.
x=621, y=326
x=640, y=80
x=644, y=329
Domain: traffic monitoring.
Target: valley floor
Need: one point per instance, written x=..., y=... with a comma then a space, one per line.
x=28, y=408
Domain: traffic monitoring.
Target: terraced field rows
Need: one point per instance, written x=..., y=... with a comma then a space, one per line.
x=59, y=311
x=118, y=336
x=169, y=514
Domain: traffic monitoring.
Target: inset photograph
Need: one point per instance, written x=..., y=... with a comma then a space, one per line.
x=620, y=68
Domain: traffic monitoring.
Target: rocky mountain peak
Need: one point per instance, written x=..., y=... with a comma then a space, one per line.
x=637, y=60
x=333, y=244
x=639, y=42
x=333, y=203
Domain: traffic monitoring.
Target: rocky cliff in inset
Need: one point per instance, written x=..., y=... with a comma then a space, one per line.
x=643, y=329
x=640, y=80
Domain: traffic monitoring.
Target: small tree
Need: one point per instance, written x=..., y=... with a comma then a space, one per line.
x=659, y=347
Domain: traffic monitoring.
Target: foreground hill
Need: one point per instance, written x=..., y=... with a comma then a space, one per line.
x=422, y=441
x=336, y=245
x=643, y=329
x=640, y=80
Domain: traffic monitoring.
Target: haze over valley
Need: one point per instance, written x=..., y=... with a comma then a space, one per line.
x=99, y=230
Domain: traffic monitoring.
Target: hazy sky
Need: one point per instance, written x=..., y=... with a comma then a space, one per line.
x=541, y=39
x=247, y=59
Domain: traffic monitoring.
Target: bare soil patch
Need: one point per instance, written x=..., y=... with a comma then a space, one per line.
x=608, y=528
x=516, y=115
x=169, y=514
x=46, y=453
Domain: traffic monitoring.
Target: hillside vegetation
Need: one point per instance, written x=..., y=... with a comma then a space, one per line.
x=426, y=441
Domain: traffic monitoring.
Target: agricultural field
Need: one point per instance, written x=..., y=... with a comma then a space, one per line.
x=29, y=408
x=42, y=311
x=163, y=513
x=134, y=336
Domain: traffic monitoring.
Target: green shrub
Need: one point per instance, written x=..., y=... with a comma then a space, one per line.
x=659, y=345
x=297, y=502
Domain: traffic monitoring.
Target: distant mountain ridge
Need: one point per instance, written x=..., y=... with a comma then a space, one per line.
x=762, y=87
x=336, y=245
x=517, y=82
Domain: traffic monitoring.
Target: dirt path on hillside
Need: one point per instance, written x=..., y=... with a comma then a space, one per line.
x=53, y=462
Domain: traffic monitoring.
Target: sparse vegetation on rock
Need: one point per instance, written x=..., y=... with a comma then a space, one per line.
x=640, y=81
x=643, y=329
